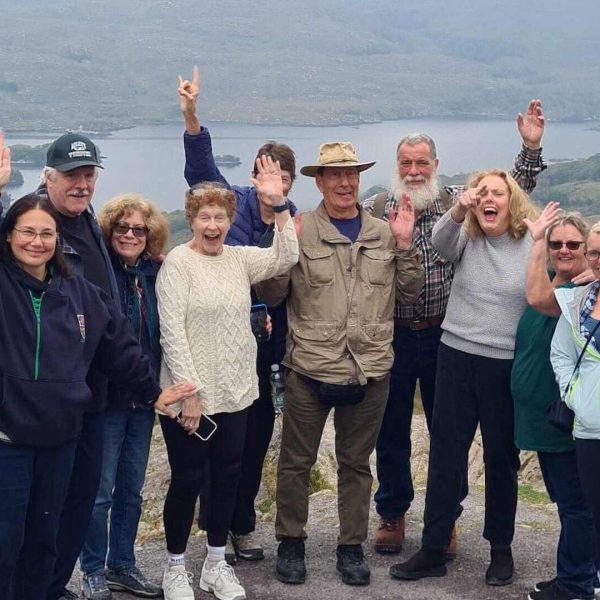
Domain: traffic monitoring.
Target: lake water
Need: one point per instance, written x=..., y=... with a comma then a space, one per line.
x=149, y=159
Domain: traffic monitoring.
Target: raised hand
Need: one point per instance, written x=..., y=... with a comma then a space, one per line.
x=467, y=200
x=402, y=223
x=267, y=181
x=531, y=124
x=4, y=162
x=188, y=92
x=547, y=217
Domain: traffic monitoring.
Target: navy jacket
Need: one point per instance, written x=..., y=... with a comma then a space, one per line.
x=119, y=396
x=247, y=229
x=45, y=357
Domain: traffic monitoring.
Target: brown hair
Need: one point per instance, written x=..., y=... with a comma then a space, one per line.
x=125, y=204
x=280, y=152
x=520, y=206
x=203, y=194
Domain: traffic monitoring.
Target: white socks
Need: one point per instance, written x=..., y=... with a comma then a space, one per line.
x=214, y=554
x=175, y=559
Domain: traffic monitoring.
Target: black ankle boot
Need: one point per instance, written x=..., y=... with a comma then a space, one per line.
x=425, y=563
x=290, y=561
x=352, y=565
x=500, y=571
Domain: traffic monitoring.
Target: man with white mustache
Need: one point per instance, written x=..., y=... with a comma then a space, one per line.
x=417, y=328
x=69, y=178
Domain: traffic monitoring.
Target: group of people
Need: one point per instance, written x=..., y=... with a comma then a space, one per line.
x=447, y=286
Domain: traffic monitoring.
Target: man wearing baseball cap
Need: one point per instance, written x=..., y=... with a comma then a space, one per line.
x=341, y=297
x=69, y=178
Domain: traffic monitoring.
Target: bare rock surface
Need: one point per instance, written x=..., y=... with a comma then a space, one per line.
x=534, y=547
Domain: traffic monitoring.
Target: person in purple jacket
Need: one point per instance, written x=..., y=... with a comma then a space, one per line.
x=252, y=226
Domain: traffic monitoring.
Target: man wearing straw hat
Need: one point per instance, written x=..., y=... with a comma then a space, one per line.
x=341, y=296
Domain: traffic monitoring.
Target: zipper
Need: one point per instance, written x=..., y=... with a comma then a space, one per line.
x=36, y=303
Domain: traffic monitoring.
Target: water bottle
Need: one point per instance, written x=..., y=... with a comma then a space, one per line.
x=277, y=389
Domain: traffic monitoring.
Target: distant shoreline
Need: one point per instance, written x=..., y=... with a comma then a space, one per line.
x=105, y=132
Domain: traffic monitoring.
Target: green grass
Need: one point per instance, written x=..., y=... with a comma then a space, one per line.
x=530, y=495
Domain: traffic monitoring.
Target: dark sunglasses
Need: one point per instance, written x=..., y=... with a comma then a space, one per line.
x=556, y=245
x=137, y=230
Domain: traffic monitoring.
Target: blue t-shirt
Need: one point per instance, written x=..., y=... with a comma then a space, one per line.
x=589, y=324
x=348, y=227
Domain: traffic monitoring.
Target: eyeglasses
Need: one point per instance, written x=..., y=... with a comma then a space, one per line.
x=28, y=235
x=138, y=230
x=571, y=245
x=592, y=255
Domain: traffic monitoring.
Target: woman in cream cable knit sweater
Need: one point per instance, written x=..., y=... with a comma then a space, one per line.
x=203, y=294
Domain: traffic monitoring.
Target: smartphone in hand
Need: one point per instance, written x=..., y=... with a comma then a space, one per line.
x=258, y=321
x=206, y=428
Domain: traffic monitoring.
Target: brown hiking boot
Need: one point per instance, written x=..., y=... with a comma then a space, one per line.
x=452, y=546
x=389, y=535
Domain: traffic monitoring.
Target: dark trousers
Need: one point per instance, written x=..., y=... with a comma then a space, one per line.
x=471, y=389
x=77, y=511
x=190, y=460
x=259, y=429
x=356, y=430
x=575, y=565
x=588, y=467
x=33, y=487
x=415, y=358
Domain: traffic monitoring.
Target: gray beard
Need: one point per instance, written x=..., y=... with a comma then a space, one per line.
x=421, y=197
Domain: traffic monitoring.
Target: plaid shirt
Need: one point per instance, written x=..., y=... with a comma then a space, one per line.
x=438, y=273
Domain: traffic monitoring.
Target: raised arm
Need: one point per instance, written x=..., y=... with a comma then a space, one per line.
x=199, y=160
x=529, y=162
x=4, y=164
x=540, y=291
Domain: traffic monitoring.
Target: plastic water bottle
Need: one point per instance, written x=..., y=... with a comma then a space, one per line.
x=277, y=389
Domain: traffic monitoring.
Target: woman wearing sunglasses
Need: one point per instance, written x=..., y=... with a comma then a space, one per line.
x=136, y=234
x=556, y=261
x=53, y=325
x=575, y=358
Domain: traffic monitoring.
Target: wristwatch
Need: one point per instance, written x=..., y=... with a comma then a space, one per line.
x=281, y=208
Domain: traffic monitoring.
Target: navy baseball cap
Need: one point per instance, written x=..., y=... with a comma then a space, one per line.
x=72, y=150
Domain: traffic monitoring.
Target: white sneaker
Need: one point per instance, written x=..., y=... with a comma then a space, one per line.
x=176, y=583
x=221, y=581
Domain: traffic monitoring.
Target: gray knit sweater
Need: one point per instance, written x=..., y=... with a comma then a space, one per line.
x=487, y=297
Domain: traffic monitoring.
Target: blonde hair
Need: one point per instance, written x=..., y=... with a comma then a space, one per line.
x=570, y=218
x=520, y=206
x=207, y=193
x=125, y=204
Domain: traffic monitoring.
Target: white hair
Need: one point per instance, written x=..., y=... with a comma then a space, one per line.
x=49, y=174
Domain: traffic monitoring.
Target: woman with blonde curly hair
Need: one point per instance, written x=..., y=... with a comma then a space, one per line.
x=485, y=235
x=136, y=234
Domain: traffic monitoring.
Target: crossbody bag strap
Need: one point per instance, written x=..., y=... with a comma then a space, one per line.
x=581, y=356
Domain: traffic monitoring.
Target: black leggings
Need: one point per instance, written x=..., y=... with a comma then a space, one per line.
x=192, y=462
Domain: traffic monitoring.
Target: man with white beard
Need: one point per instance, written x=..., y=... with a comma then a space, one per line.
x=417, y=329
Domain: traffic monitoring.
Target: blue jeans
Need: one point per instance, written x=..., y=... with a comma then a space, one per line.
x=415, y=358
x=575, y=567
x=127, y=435
x=33, y=487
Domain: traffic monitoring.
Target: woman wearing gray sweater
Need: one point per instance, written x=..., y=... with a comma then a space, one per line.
x=486, y=237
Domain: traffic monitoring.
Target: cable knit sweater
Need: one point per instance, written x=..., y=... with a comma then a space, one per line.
x=204, y=308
